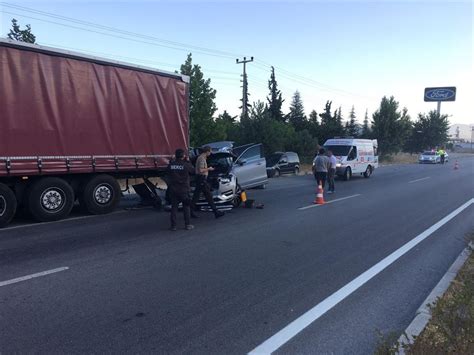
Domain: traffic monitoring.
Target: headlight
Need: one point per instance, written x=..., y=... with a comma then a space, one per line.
x=225, y=180
x=338, y=165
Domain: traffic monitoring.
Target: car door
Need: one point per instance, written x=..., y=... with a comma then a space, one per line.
x=284, y=164
x=250, y=167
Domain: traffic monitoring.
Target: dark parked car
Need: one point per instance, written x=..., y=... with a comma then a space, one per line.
x=283, y=163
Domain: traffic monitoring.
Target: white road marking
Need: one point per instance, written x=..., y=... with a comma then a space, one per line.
x=327, y=202
x=425, y=178
x=283, y=336
x=32, y=276
x=60, y=221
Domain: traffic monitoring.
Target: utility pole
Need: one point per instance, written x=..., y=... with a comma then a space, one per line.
x=245, y=103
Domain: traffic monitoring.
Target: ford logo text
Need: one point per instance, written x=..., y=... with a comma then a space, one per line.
x=440, y=94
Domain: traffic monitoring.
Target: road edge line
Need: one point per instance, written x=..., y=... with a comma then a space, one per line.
x=423, y=314
x=295, y=327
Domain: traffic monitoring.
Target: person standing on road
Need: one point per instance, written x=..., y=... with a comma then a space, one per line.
x=202, y=171
x=178, y=181
x=331, y=171
x=442, y=155
x=321, y=166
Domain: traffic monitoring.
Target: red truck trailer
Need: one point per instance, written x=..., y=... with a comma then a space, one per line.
x=71, y=125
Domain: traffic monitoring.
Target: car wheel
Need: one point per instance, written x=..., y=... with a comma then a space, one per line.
x=100, y=194
x=368, y=172
x=277, y=173
x=297, y=171
x=236, y=202
x=8, y=204
x=347, y=174
x=50, y=199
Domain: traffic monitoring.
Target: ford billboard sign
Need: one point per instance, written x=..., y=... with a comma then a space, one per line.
x=440, y=94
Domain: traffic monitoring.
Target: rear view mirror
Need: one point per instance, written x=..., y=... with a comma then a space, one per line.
x=241, y=161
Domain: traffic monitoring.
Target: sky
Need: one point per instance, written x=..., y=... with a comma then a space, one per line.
x=349, y=52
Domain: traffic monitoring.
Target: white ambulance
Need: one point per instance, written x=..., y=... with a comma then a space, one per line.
x=354, y=156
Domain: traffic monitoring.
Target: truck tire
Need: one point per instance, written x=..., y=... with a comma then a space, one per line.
x=50, y=199
x=100, y=194
x=8, y=204
x=347, y=174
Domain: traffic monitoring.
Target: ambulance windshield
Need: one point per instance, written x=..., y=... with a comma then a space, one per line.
x=338, y=150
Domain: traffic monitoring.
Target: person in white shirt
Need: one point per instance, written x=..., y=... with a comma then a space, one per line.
x=331, y=171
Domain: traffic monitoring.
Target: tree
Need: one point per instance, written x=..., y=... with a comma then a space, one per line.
x=296, y=115
x=366, y=132
x=262, y=128
x=352, y=128
x=275, y=100
x=18, y=34
x=313, y=124
x=228, y=127
x=390, y=127
x=331, y=126
x=304, y=144
x=429, y=131
x=203, y=128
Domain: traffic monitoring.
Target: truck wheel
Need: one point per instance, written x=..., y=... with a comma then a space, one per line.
x=50, y=199
x=347, y=174
x=100, y=195
x=368, y=172
x=8, y=204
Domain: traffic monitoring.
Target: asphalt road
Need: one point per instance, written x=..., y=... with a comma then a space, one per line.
x=231, y=284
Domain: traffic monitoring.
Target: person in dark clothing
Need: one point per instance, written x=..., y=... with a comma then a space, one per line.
x=202, y=171
x=179, y=188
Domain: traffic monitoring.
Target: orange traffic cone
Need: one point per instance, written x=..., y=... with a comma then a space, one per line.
x=456, y=165
x=319, y=196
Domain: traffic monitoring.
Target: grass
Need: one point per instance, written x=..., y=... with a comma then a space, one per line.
x=451, y=328
x=399, y=158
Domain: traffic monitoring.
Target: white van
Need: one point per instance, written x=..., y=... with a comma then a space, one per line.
x=354, y=156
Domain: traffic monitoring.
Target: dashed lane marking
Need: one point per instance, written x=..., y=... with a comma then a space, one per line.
x=327, y=202
x=32, y=276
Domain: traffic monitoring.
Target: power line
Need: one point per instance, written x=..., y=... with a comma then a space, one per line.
x=117, y=30
x=112, y=35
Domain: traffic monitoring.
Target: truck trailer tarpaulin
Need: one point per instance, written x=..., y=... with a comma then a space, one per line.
x=64, y=112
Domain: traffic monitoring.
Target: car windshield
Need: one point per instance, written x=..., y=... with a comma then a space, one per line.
x=429, y=153
x=273, y=159
x=219, y=160
x=338, y=150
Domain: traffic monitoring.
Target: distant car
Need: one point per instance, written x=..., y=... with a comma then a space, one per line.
x=429, y=157
x=280, y=163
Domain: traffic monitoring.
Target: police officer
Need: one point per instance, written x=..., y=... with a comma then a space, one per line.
x=179, y=188
x=442, y=154
x=202, y=171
